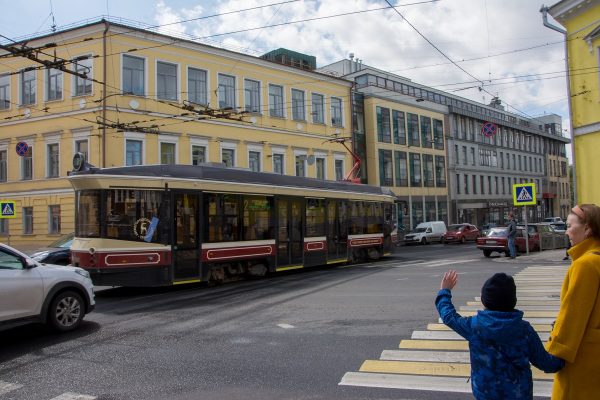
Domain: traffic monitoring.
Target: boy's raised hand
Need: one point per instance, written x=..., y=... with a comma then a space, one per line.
x=449, y=280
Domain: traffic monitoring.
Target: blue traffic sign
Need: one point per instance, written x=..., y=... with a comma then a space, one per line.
x=22, y=148
x=524, y=194
x=489, y=129
x=7, y=209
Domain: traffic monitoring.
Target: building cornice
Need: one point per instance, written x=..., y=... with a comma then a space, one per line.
x=567, y=9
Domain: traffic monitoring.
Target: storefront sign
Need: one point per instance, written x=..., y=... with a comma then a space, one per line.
x=498, y=204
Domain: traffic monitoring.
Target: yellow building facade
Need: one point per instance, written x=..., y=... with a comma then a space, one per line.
x=154, y=99
x=581, y=18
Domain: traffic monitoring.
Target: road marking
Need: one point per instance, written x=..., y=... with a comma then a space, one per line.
x=451, y=335
x=430, y=368
x=438, y=263
x=532, y=321
x=415, y=382
x=442, y=327
x=434, y=344
x=528, y=314
x=286, y=326
x=520, y=307
x=6, y=387
x=74, y=396
x=523, y=303
x=426, y=355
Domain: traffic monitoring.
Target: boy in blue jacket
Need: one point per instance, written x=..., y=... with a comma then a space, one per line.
x=501, y=343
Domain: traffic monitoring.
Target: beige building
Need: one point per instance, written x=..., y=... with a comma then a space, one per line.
x=155, y=99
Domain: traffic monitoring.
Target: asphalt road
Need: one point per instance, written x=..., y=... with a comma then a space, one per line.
x=292, y=336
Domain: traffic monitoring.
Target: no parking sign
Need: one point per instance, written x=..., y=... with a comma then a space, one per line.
x=22, y=148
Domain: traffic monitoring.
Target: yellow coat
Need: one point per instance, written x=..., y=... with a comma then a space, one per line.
x=576, y=334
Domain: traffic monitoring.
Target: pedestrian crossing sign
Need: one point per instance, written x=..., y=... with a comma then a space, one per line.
x=7, y=209
x=524, y=194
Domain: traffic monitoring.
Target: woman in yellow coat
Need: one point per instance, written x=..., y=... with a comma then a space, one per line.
x=576, y=333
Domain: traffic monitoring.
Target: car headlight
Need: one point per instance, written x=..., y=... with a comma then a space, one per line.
x=40, y=256
x=83, y=273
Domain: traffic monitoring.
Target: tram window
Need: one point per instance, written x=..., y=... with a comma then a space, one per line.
x=222, y=217
x=374, y=214
x=129, y=212
x=257, y=221
x=315, y=217
x=87, y=204
x=357, y=218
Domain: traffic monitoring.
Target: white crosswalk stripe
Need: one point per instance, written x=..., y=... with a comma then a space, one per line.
x=74, y=396
x=7, y=387
x=438, y=359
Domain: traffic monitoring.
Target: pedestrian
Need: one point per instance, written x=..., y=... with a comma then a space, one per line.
x=575, y=336
x=512, y=233
x=501, y=343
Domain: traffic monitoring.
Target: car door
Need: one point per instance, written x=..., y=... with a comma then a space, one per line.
x=21, y=289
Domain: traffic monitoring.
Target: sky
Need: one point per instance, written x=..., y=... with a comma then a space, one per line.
x=472, y=48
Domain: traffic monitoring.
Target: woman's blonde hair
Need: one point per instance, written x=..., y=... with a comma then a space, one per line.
x=589, y=214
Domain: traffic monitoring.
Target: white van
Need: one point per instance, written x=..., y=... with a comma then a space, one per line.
x=426, y=232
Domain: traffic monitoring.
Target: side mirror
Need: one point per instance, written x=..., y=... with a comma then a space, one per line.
x=428, y=230
x=28, y=263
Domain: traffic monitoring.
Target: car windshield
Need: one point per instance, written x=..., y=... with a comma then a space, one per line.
x=417, y=230
x=498, y=232
x=454, y=228
x=64, y=241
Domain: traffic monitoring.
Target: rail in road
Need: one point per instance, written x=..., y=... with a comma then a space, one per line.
x=437, y=359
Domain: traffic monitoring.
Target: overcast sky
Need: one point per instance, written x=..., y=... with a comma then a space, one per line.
x=501, y=45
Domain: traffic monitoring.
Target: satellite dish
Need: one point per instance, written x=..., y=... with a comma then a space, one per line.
x=310, y=159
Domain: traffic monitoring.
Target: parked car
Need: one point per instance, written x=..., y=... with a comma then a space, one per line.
x=460, y=233
x=553, y=219
x=33, y=292
x=497, y=240
x=485, y=228
x=57, y=252
x=558, y=227
x=426, y=232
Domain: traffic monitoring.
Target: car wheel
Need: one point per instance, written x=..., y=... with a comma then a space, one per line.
x=66, y=311
x=424, y=240
x=462, y=240
x=487, y=253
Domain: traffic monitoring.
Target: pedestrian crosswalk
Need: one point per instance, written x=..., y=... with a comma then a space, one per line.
x=437, y=359
x=12, y=389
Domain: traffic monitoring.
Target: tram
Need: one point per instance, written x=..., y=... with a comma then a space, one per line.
x=157, y=225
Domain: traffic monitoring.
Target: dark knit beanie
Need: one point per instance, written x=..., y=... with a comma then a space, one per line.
x=499, y=293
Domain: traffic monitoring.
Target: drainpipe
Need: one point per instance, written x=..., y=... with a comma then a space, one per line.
x=107, y=26
x=544, y=11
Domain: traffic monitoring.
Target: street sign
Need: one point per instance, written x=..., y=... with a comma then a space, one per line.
x=22, y=148
x=489, y=129
x=524, y=194
x=7, y=209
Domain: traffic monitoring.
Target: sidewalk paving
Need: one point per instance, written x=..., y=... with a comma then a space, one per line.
x=541, y=256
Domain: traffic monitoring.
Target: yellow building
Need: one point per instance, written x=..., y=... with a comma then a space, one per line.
x=155, y=99
x=581, y=18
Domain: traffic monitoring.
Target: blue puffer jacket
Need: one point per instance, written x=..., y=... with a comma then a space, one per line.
x=502, y=345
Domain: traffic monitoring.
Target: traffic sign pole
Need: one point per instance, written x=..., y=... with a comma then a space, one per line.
x=526, y=233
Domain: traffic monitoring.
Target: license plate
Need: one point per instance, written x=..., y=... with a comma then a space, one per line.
x=491, y=242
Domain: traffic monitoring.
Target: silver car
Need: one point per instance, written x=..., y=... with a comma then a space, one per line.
x=32, y=292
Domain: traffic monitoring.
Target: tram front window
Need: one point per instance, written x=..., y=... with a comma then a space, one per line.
x=87, y=206
x=129, y=213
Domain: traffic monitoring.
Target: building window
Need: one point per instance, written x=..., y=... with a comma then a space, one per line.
x=168, y=153
x=54, y=219
x=81, y=146
x=276, y=101
x=413, y=129
x=472, y=155
x=320, y=164
x=228, y=157
x=417, y=211
x=27, y=165
x=489, y=179
x=496, y=182
x=53, y=157
x=3, y=227
x=466, y=188
x=54, y=84
x=438, y=134
x=133, y=75
x=481, y=184
x=3, y=165
x=27, y=220
x=383, y=125
x=252, y=96
x=440, y=171
x=318, y=110
x=301, y=165
x=428, y=176
x=254, y=161
x=197, y=87
x=298, y=108
x=198, y=155
x=4, y=92
x=457, y=183
x=426, y=135
x=339, y=170
x=464, y=155
x=385, y=168
x=278, y=163
x=166, y=81
x=399, y=127
x=475, y=185
x=415, y=169
x=456, y=154
x=226, y=92
x=336, y=111
x=401, y=169
x=503, y=186
x=133, y=152
x=83, y=67
x=28, y=86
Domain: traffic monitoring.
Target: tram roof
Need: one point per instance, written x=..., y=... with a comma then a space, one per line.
x=218, y=173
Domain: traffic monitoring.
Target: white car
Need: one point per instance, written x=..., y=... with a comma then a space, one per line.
x=33, y=292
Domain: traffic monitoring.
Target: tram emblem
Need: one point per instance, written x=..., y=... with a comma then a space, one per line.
x=140, y=228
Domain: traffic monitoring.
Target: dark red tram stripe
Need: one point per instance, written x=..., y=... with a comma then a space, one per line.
x=236, y=253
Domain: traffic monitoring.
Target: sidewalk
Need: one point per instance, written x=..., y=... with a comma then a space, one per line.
x=541, y=256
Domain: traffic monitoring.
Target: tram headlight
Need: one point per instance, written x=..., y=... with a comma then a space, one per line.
x=92, y=250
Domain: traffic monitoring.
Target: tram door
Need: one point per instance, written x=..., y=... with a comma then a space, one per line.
x=290, y=241
x=337, y=234
x=186, y=260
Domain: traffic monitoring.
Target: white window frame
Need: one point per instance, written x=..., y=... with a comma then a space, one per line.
x=280, y=151
x=301, y=153
x=8, y=92
x=145, y=74
x=20, y=89
x=177, y=79
x=323, y=156
x=4, y=147
x=235, y=90
x=22, y=160
x=162, y=138
x=187, y=83
x=257, y=149
x=139, y=136
x=61, y=74
x=74, y=78
x=229, y=146
x=259, y=111
x=341, y=124
x=342, y=158
x=50, y=232
x=202, y=142
x=23, y=220
x=303, y=117
x=81, y=136
x=50, y=140
x=312, y=109
x=283, y=108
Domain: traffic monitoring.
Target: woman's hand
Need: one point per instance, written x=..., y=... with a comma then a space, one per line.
x=449, y=280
